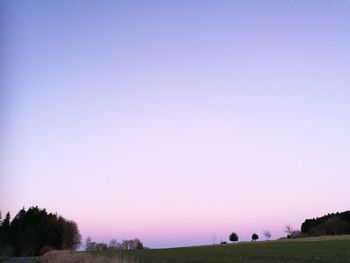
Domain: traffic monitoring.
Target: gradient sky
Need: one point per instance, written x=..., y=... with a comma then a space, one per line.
x=172, y=121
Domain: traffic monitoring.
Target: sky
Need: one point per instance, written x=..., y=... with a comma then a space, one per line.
x=174, y=121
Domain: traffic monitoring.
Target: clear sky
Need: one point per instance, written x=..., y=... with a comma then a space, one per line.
x=172, y=121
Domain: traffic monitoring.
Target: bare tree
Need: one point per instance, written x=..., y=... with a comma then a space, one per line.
x=289, y=230
x=267, y=234
x=131, y=244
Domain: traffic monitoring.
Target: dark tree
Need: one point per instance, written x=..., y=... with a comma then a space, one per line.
x=233, y=237
x=6, y=248
x=34, y=231
x=6, y=230
x=139, y=244
x=255, y=237
x=70, y=236
x=330, y=224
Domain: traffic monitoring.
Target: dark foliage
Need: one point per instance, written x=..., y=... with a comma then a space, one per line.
x=139, y=245
x=233, y=237
x=255, y=237
x=331, y=224
x=131, y=244
x=34, y=231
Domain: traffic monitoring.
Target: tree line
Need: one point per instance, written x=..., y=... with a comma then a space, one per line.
x=33, y=232
x=330, y=224
x=130, y=244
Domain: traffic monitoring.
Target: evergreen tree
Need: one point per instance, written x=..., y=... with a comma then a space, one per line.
x=34, y=231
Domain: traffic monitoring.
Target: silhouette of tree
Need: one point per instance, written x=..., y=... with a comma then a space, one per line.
x=255, y=237
x=6, y=230
x=70, y=236
x=233, y=237
x=267, y=234
x=289, y=230
x=34, y=231
x=330, y=224
x=139, y=244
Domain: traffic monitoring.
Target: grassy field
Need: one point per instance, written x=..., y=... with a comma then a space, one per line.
x=334, y=249
x=326, y=250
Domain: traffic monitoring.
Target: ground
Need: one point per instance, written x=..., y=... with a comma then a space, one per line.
x=334, y=249
x=326, y=250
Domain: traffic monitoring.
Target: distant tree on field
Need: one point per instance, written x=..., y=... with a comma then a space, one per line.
x=139, y=244
x=130, y=244
x=267, y=234
x=288, y=229
x=233, y=237
x=255, y=237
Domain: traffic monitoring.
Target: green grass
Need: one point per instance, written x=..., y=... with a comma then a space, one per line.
x=289, y=251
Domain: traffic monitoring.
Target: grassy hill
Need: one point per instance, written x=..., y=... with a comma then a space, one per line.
x=327, y=250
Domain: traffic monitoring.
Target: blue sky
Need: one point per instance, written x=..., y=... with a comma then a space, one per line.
x=234, y=114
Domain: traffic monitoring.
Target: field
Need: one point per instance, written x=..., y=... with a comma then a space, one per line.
x=328, y=250
x=334, y=249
